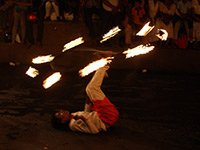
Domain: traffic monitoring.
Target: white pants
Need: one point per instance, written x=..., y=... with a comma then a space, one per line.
x=48, y=8
x=196, y=31
x=19, y=20
x=93, y=88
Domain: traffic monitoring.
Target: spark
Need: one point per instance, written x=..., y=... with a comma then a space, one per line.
x=73, y=43
x=114, y=31
x=94, y=66
x=141, y=49
x=51, y=80
x=162, y=34
x=43, y=59
x=145, y=29
x=32, y=72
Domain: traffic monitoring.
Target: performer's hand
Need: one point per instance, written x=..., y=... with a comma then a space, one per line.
x=79, y=117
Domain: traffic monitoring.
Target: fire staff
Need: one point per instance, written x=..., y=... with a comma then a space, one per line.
x=99, y=113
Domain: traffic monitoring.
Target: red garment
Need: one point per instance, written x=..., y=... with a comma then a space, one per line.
x=137, y=15
x=106, y=111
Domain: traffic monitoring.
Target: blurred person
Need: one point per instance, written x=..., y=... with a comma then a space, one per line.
x=92, y=7
x=99, y=113
x=152, y=14
x=48, y=6
x=137, y=19
x=153, y=9
x=126, y=15
x=166, y=12
x=38, y=10
x=111, y=16
x=184, y=17
x=6, y=16
x=21, y=10
x=61, y=4
x=196, y=22
x=74, y=6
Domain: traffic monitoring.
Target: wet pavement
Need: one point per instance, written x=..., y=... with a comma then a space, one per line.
x=158, y=110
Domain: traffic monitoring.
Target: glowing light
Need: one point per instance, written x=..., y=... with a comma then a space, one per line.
x=162, y=34
x=73, y=43
x=110, y=34
x=43, y=59
x=145, y=30
x=94, y=66
x=141, y=49
x=51, y=80
x=32, y=72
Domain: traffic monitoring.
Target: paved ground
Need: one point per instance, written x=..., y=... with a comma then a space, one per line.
x=158, y=110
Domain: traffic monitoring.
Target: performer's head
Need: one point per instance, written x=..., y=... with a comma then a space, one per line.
x=60, y=119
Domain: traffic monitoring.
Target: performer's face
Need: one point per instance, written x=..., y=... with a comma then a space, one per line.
x=64, y=115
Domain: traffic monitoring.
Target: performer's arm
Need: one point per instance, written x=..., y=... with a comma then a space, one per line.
x=83, y=125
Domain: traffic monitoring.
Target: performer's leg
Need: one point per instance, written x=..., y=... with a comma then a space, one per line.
x=93, y=89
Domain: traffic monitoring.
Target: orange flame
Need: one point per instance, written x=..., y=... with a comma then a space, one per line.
x=110, y=34
x=73, y=43
x=145, y=30
x=51, y=80
x=141, y=49
x=32, y=72
x=162, y=34
x=43, y=59
x=94, y=66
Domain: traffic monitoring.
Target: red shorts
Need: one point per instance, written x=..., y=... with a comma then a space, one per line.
x=106, y=111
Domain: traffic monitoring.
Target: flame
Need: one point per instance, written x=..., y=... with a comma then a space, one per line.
x=32, y=72
x=145, y=29
x=110, y=34
x=141, y=49
x=42, y=59
x=51, y=80
x=95, y=65
x=73, y=43
x=162, y=34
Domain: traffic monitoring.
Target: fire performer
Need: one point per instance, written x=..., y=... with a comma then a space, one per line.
x=99, y=113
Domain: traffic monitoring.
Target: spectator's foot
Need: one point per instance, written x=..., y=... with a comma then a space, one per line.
x=38, y=43
x=28, y=45
x=13, y=42
x=47, y=19
x=58, y=18
x=196, y=45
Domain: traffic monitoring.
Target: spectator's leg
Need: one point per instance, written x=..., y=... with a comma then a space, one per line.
x=23, y=27
x=29, y=32
x=40, y=26
x=48, y=9
x=56, y=9
x=176, y=29
x=88, y=20
x=190, y=28
x=128, y=34
x=15, y=26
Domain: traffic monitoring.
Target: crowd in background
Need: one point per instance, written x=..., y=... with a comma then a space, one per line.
x=180, y=18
